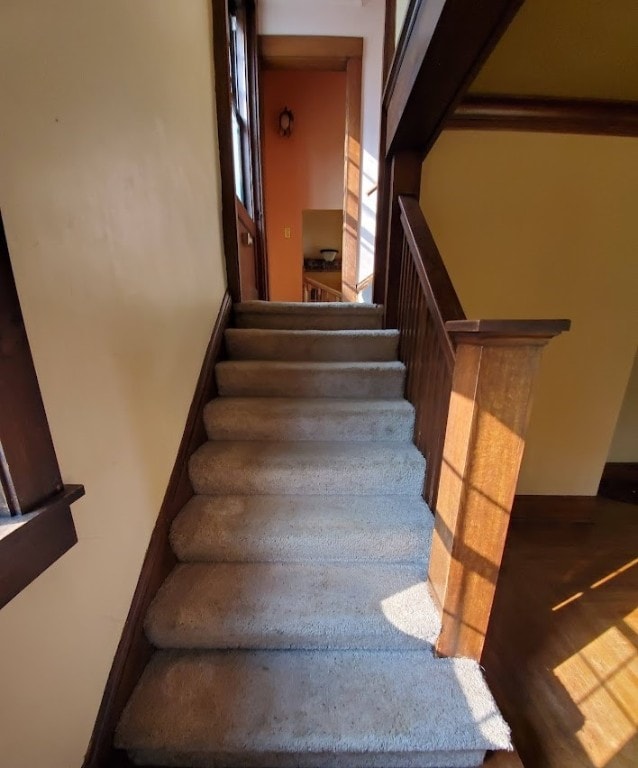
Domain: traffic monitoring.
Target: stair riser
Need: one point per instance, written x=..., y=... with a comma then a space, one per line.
x=247, y=422
x=461, y=759
x=312, y=319
x=237, y=380
x=403, y=478
x=340, y=347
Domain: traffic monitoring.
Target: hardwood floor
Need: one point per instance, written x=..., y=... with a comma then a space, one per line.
x=561, y=650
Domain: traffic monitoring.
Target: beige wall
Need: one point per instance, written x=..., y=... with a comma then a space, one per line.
x=577, y=48
x=109, y=192
x=542, y=225
x=624, y=446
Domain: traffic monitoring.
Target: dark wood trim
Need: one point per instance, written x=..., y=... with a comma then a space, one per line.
x=134, y=650
x=29, y=471
x=389, y=34
x=480, y=330
x=517, y=113
x=254, y=129
x=404, y=179
x=223, y=101
x=36, y=540
x=619, y=481
x=308, y=52
x=555, y=509
x=443, y=50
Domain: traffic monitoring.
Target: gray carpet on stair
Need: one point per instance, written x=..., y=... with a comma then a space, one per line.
x=303, y=529
x=273, y=378
x=291, y=605
x=245, y=467
x=311, y=708
x=298, y=630
x=297, y=418
x=318, y=346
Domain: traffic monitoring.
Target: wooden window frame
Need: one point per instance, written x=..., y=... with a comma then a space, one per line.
x=36, y=525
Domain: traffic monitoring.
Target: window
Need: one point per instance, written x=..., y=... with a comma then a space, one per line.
x=36, y=526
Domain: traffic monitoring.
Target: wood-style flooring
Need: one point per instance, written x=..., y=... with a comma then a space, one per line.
x=561, y=654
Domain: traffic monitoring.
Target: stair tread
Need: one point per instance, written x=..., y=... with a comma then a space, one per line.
x=290, y=605
x=298, y=418
x=277, y=378
x=320, y=345
x=313, y=467
x=303, y=529
x=248, y=705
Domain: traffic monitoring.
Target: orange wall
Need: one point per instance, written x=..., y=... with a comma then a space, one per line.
x=302, y=171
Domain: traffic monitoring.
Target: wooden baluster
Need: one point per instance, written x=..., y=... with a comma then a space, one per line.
x=496, y=363
x=405, y=179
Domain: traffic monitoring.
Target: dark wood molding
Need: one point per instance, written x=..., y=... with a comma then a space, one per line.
x=444, y=45
x=619, y=481
x=254, y=128
x=223, y=103
x=308, y=52
x=30, y=543
x=389, y=35
x=29, y=471
x=134, y=650
x=518, y=113
x=554, y=509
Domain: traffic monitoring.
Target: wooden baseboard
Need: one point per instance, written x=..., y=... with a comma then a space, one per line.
x=559, y=509
x=134, y=650
x=620, y=482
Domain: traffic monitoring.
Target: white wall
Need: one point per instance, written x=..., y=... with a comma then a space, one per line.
x=344, y=18
x=109, y=192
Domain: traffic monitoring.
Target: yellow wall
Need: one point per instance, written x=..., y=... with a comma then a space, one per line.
x=578, y=48
x=624, y=446
x=109, y=192
x=543, y=225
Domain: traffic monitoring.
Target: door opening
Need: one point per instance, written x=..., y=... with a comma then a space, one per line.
x=311, y=165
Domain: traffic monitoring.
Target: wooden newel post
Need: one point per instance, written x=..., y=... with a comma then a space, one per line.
x=496, y=363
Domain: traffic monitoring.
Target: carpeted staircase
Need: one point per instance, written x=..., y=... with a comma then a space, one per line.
x=297, y=629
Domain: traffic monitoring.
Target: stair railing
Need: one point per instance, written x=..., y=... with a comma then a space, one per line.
x=470, y=382
x=426, y=301
x=313, y=291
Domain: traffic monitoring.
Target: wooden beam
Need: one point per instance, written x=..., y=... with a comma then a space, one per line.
x=448, y=41
x=516, y=113
x=484, y=441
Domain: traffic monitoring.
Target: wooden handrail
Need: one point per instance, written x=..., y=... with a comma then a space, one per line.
x=443, y=301
x=324, y=289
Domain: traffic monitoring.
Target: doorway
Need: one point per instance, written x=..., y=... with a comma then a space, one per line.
x=310, y=89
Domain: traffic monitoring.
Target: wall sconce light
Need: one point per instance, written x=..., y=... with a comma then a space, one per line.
x=286, y=119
